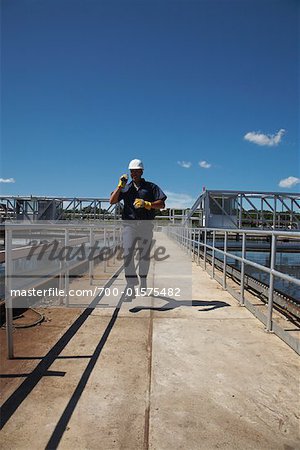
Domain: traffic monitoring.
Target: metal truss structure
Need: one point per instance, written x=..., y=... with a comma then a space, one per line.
x=35, y=208
x=219, y=209
x=237, y=209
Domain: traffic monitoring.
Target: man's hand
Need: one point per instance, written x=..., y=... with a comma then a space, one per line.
x=123, y=180
x=140, y=203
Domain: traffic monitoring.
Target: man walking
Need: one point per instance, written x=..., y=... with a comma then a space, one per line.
x=141, y=198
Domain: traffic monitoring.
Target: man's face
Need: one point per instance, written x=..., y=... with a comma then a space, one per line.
x=136, y=174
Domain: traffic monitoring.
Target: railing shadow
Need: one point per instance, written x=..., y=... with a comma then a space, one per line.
x=66, y=415
x=15, y=400
x=59, y=357
x=20, y=394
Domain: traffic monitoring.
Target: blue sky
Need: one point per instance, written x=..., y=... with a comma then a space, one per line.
x=88, y=85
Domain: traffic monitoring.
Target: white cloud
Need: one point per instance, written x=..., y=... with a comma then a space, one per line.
x=185, y=164
x=270, y=140
x=204, y=164
x=176, y=200
x=289, y=182
x=7, y=180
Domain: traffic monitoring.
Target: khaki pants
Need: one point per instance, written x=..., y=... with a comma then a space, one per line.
x=137, y=238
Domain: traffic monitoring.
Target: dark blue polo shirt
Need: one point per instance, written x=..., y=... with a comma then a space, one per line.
x=147, y=191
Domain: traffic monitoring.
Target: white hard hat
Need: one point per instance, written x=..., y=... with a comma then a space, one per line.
x=136, y=164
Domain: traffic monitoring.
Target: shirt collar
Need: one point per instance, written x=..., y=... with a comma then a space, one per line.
x=142, y=183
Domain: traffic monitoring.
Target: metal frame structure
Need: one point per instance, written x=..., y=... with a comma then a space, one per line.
x=195, y=240
x=33, y=208
x=276, y=211
x=69, y=236
x=238, y=209
x=185, y=236
x=213, y=208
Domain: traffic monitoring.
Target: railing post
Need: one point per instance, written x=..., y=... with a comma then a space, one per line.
x=114, y=244
x=91, y=261
x=205, y=249
x=193, y=243
x=108, y=245
x=213, y=254
x=61, y=281
x=271, y=283
x=198, y=249
x=66, y=270
x=225, y=259
x=104, y=239
x=8, y=299
x=242, y=298
x=187, y=240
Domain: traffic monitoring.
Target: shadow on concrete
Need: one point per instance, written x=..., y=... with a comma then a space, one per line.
x=49, y=373
x=171, y=303
x=58, y=357
x=26, y=387
x=69, y=409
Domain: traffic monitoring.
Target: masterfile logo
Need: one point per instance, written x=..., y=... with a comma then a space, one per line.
x=56, y=251
x=66, y=264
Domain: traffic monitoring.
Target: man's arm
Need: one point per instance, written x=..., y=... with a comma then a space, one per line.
x=158, y=204
x=114, y=196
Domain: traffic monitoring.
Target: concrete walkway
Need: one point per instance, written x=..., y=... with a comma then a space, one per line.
x=194, y=372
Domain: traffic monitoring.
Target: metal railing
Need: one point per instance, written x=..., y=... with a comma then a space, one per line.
x=240, y=209
x=189, y=238
x=35, y=208
x=24, y=244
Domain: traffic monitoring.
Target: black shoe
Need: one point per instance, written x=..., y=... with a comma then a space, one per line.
x=129, y=294
x=143, y=283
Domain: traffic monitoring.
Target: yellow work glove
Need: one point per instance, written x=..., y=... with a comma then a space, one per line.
x=123, y=180
x=140, y=203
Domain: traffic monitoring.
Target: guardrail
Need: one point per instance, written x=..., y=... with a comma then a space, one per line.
x=190, y=239
x=27, y=244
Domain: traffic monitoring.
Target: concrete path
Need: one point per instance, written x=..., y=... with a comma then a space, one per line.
x=189, y=372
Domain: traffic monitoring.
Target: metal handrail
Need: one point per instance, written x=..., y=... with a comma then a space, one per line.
x=253, y=264
x=185, y=235
x=111, y=239
x=248, y=231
